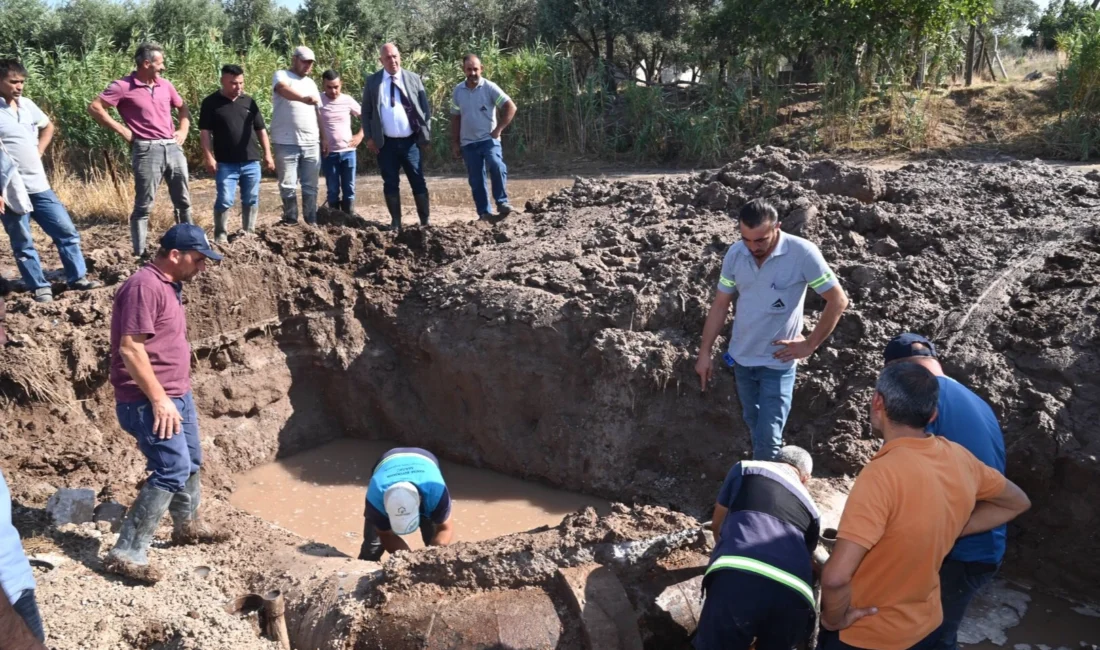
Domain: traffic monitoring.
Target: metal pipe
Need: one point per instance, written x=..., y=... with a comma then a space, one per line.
x=275, y=618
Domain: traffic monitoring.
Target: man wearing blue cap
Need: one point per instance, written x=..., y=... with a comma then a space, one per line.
x=966, y=419
x=406, y=492
x=151, y=374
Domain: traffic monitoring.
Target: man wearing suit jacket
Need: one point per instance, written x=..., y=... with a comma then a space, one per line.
x=397, y=117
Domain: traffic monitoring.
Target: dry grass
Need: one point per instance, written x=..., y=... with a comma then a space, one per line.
x=1042, y=61
x=98, y=198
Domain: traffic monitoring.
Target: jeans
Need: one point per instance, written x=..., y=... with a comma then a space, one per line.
x=294, y=164
x=397, y=154
x=778, y=617
x=339, y=176
x=27, y=608
x=959, y=583
x=765, y=395
x=372, y=545
x=170, y=461
x=228, y=175
x=480, y=156
x=153, y=161
x=55, y=221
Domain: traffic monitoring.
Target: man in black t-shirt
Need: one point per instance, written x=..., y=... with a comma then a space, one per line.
x=233, y=130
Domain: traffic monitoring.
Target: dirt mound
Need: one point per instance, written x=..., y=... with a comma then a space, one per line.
x=558, y=345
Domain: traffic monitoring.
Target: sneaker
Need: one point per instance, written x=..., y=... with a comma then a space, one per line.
x=45, y=294
x=503, y=210
x=84, y=284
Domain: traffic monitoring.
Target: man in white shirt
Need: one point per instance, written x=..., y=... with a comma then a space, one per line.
x=397, y=119
x=295, y=135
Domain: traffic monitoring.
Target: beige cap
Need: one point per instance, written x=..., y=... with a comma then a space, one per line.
x=304, y=53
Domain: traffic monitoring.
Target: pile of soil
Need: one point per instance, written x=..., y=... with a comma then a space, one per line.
x=559, y=344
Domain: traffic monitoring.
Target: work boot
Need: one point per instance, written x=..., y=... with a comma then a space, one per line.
x=220, y=234
x=309, y=208
x=503, y=210
x=184, y=216
x=348, y=206
x=485, y=216
x=393, y=204
x=187, y=527
x=43, y=294
x=139, y=232
x=84, y=284
x=130, y=555
x=248, y=218
x=422, y=209
x=290, y=210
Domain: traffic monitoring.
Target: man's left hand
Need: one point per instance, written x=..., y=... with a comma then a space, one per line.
x=356, y=140
x=181, y=137
x=852, y=615
x=495, y=134
x=269, y=162
x=794, y=349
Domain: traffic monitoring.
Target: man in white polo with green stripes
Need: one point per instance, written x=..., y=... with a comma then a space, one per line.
x=769, y=271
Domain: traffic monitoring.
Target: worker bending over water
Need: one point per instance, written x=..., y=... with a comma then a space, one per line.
x=758, y=583
x=406, y=492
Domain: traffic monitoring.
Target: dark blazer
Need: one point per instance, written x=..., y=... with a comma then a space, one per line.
x=372, y=105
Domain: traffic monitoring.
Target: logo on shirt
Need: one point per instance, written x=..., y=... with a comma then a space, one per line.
x=778, y=304
x=401, y=510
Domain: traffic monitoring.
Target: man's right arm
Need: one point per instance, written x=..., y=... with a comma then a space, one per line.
x=166, y=417
x=716, y=320
x=1000, y=508
x=283, y=87
x=98, y=110
x=14, y=634
x=368, y=106
x=206, y=138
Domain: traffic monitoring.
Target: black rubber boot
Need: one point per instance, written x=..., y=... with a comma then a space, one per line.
x=393, y=204
x=290, y=210
x=187, y=527
x=348, y=206
x=221, y=219
x=130, y=555
x=422, y=208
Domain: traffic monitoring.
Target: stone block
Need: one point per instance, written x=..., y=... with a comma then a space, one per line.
x=608, y=620
x=110, y=512
x=71, y=506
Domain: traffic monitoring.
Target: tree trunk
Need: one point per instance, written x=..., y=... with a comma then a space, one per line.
x=970, y=55
x=609, y=56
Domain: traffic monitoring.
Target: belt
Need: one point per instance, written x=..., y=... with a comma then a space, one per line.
x=161, y=141
x=766, y=570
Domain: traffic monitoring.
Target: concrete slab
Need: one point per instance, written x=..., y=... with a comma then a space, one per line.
x=71, y=506
x=518, y=620
x=598, y=598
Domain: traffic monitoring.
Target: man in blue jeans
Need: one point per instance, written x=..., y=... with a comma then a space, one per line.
x=769, y=270
x=338, y=159
x=475, y=135
x=232, y=130
x=20, y=622
x=964, y=418
x=25, y=132
x=151, y=375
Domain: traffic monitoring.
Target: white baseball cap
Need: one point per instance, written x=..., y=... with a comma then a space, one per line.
x=402, y=501
x=304, y=53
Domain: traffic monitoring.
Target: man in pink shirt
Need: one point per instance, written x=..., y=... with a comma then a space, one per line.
x=145, y=101
x=337, y=143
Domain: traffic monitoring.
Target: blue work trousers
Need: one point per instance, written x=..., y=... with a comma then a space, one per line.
x=227, y=178
x=959, y=583
x=765, y=395
x=339, y=171
x=54, y=220
x=481, y=157
x=170, y=462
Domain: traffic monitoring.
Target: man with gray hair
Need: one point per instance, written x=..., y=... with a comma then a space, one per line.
x=145, y=101
x=911, y=502
x=766, y=527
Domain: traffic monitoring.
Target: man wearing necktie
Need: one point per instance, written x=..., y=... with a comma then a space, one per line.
x=397, y=118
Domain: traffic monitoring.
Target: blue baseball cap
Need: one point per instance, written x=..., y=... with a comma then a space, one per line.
x=908, y=345
x=188, y=237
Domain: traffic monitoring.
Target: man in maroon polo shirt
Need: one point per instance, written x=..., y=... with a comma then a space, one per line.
x=145, y=101
x=151, y=374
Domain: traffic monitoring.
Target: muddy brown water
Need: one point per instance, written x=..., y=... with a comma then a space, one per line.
x=320, y=495
x=1007, y=615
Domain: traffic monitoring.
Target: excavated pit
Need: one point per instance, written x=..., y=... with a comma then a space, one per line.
x=557, y=347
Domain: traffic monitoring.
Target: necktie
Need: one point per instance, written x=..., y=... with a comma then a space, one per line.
x=393, y=91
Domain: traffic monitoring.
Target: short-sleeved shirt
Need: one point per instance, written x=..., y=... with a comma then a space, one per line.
x=477, y=107
x=968, y=420
x=770, y=297
x=336, y=120
x=146, y=110
x=233, y=123
x=772, y=519
x=149, y=303
x=293, y=122
x=413, y=465
x=907, y=508
x=19, y=132
x=16, y=576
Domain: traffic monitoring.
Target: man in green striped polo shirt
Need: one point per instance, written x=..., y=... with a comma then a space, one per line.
x=769, y=271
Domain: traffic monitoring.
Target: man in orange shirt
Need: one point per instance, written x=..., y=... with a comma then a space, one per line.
x=880, y=587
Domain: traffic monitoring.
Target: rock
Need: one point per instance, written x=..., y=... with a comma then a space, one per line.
x=607, y=618
x=111, y=513
x=863, y=275
x=854, y=239
x=714, y=196
x=832, y=177
x=71, y=506
x=885, y=247
x=801, y=218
